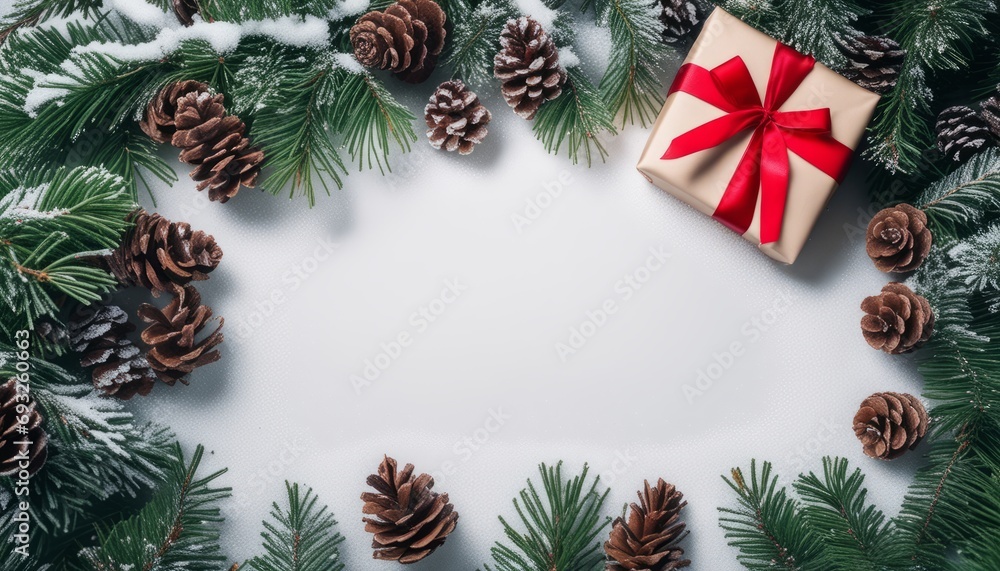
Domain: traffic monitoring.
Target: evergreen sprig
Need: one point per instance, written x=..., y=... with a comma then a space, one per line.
x=177, y=529
x=962, y=199
x=475, y=40
x=299, y=537
x=560, y=532
x=813, y=27
x=575, y=120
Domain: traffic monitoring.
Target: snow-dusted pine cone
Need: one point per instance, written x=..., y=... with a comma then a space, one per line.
x=456, y=120
x=679, y=19
x=405, y=39
x=896, y=320
x=528, y=66
x=185, y=11
x=990, y=112
x=890, y=424
x=961, y=133
x=159, y=121
x=874, y=62
x=100, y=335
x=898, y=239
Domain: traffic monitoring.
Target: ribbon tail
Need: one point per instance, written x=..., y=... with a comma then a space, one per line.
x=774, y=176
x=737, y=205
x=711, y=134
x=821, y=151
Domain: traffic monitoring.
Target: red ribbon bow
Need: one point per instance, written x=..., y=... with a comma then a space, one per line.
x=764, y=167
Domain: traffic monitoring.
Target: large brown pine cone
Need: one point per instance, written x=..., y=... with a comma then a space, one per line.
x=19, y=442
x=173, y=336
x=889, y=424
x=897, y=320
x=648, y=540
x=679, y=19
x=456, y=120
x=874, y=62
x=159, y=122
x=961, y=133
x=405, y=39
x=214, y=142
x=898, y=239
x=410, y=520
x=528, y=66
x=159, y=254
x=100, y=335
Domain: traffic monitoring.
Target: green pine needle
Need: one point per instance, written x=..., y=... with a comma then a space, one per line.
x=299, y=537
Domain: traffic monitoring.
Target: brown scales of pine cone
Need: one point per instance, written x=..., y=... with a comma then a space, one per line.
x=159, y=254
x=16, y=447
x=410, y=519
x=873, y=62
x=898, y=239
x=100, y=335
x=159, y=121
x=406, y=39
x=890, y=424
x=528, y=66
x=456, y=120
x=897, y=320
x=961, y=133
x=648, y=539
x=173, y=336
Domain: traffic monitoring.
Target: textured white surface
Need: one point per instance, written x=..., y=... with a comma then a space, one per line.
x=281, y=404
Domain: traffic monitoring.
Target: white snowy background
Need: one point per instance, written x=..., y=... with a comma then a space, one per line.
x=311, y=296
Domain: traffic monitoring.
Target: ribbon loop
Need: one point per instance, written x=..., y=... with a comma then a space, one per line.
x=764, y=168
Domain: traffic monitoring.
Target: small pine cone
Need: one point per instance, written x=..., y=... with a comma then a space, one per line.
x=159, y=254
x=874, y=62
x=185, y=11
x=961, y=133
x=898, y=239
x=897, y=320
x=456, y=120
x=213, y=141
x=173, y=334
x=889, y=424
x=679, y=19
x=528, y=66
x=410, y=520
x=159, y=122
x=52, y=332
x=648, y=540
x=990, y=112
x=15, y=446
x=405, y=39
x=100, y=335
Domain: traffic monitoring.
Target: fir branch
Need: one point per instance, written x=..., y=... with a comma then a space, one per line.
x=560, y=532
x=760, y=14
x=812, y=27
x=855, y=535
x=576, y=118
x=631, y=84
x=474, y=40
x=768, y=526
x=26, y=13
x=300, y=537
x=961, y=200
x=177, y=529
x=977, y=261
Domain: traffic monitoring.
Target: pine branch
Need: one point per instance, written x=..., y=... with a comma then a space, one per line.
x=474, y=40
x=855, y=535
x=300, y=537
x=576, y=118
x=977, y=262
x=768, y=527
x=560, y=532
x=631, y=84
x=27, y=13
x=177, y=529
x=812, y=27
x=961, y=200
x=760, y=14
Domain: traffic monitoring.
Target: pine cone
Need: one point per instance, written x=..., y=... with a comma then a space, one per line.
x=961, y=133
x=172, y=336
x=456, y=120
x=874, y=62
x=100, y=335
x=898, y=239
x=410, y=520
x=897, y=320
x=185, y=11
x=16, y=447
x=405, y=39
x=214, y=142
x=648, y=541
x=528, y=66
x=889, y=424
x=990, y=112
x=159, y=254
x=679, y=19
x=159, y=122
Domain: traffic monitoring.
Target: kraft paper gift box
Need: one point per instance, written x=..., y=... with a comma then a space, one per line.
x=756, y=135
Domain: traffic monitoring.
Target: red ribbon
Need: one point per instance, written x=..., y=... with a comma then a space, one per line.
x=764, y=167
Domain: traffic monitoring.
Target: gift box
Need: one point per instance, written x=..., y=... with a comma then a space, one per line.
x=756, y=135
